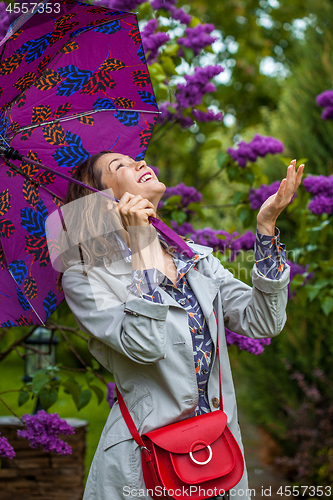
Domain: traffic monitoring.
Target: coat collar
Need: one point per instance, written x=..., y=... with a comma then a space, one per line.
x=204, y=288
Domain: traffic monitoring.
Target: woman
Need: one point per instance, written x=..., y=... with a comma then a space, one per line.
x=150, y=315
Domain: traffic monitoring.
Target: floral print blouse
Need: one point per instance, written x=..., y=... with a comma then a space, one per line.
x=270, y=261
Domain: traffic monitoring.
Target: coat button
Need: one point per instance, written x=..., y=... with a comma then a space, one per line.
x=204, y=371
x=216, y=402
x=182, y=302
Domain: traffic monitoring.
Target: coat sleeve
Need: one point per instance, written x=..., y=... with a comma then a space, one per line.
x=258, y=311
x=134, y=327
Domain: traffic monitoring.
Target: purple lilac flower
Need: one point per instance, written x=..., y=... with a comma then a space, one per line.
x=210, y=116
x=258, y=196
x=153, y=41
x=166, y=115
x=169, y=6
x=42, y=430
x=125, y=5
x=322, y=187
x=110, y=391
x=180, y=15
x=325, y=100
x=188, y=193
x=259, y=146
x=297, y=269
x=319, y=184
x=243, y=242
x=197, y=38
x=185, y=229
x=327, y=114
x=6, y=450
x=321, y=204
x=191, y=93
x=254, y=346
x=156, y=170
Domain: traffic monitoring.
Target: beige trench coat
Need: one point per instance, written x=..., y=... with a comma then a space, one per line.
x=148, y=348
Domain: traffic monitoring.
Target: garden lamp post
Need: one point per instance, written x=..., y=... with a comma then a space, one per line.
x=46, y=355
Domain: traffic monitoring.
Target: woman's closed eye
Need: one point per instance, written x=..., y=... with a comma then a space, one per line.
x=120, y=165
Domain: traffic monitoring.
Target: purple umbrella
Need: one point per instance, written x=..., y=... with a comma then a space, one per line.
x=73, y=82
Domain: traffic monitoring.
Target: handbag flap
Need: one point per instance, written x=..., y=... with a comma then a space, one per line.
x=178, y=437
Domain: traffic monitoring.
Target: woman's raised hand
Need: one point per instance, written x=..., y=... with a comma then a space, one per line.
x=275, y=204
x=135, y=210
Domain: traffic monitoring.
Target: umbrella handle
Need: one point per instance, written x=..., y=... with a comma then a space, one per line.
x=169, y=234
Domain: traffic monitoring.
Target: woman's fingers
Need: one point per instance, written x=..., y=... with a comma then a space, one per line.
x=135, y=210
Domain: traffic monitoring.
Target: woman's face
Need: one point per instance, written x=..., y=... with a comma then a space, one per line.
x=122, y=174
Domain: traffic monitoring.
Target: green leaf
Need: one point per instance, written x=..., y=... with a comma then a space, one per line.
x=194, y=22
x=211, y=144
x=47, y=397
x=23, y=397
x=179, y=217
x=173, y=201
x=238, y=197
x=326, y=305
x=312, y=291
x=302, y=160
x=222, y=158
x=171, y=49
x=245, y=215
x=95, y=364
x=233, y=173
x=38, y=382
x=221, y=236
x=285, y=160
x=89, y=377
x=84, y=398
x=168, y=65
x=73, y=389
x=99, y=393
x=188, y=54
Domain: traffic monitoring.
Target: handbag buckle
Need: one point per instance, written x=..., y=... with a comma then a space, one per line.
x=197, y=461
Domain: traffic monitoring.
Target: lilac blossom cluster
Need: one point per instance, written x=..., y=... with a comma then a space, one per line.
x=197, y=38
x=325, y=100
x=258, y=196
x=166, y=115
x=6, y=450
x=125, y=5
x=322, y=189
x=153, y=41
x=110, y=392
x=254, y=346
x=210, y=116
x=259, y=146
x=210, y=237
x=170, y=6
x=42, y=430
x=297, y=269
x=189, y=95
x=188, y=193
x=156, y=170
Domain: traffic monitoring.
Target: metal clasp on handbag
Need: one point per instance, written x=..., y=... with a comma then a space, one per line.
x=207, y=446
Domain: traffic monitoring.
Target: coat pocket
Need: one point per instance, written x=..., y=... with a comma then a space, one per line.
x=118, y=430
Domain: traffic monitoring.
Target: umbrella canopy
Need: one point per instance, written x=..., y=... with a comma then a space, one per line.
x=73, y=82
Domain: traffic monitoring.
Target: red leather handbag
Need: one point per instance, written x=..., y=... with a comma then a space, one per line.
x=195, y=458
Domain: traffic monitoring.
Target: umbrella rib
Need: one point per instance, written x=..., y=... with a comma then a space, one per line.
x=39, y=184
x=32, y=307
x=78, y=115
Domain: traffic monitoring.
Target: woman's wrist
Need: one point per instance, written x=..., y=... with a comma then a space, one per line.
x=267, y=228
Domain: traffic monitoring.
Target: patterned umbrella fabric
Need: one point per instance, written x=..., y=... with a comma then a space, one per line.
x=73, y=82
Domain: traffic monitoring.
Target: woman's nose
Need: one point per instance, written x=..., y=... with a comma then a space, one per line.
x=140, y=164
